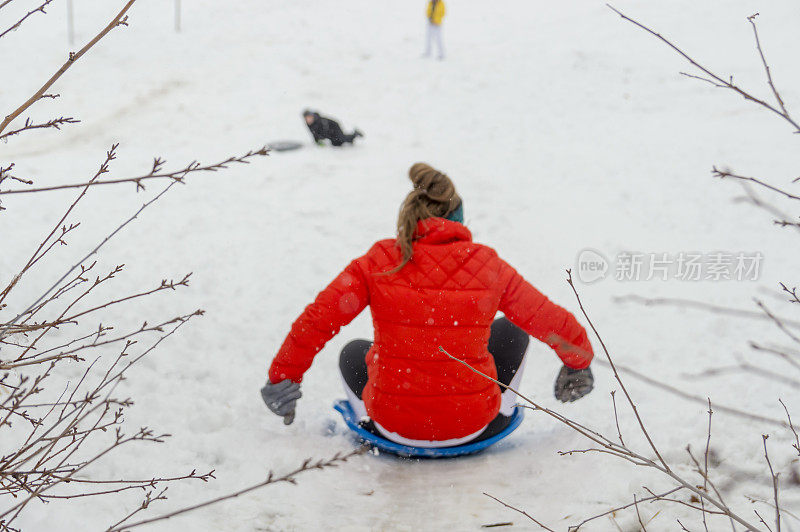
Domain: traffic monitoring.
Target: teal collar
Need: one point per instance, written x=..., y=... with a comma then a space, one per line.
x=457, y=215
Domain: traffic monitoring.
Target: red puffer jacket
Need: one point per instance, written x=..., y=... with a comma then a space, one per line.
x=447, y=295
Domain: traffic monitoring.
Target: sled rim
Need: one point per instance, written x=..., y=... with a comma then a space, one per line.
x=408, y=451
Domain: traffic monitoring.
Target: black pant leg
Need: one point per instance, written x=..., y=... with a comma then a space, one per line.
x=336, y=135
x=507, y=344
x=353, y=365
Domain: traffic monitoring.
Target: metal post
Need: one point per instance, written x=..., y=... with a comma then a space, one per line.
x=178, y=16
x=70, y=24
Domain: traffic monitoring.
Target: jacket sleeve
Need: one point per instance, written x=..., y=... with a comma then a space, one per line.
x=334, y=307
x=530, y=310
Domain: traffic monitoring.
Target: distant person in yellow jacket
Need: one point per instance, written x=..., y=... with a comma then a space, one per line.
x=435, y=14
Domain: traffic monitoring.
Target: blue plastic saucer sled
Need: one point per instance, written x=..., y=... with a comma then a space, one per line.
x=344, y=408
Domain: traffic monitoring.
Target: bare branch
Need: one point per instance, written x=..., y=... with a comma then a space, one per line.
x=794, y=298
x=20, y=21
x=782, y=217
x=638, y=515
x=708, y=483
x=762, y=520
x=119, y=20
x=778, y=321
x=701, y=305
x=177, y=175
x=796, y=443
x=308, y=465
x=616, y=417
x=723, y=174
x=616, y=374
x=749, y=368
x=780, y=352
x=653, y=497
x=705, y=464
x=148, y=498
x=5, y=173
x=713, y=78
x=701, y=78
x=519, y=511
x=752, y=20
x=774, y=485
x=694, y=398
x=55, y=123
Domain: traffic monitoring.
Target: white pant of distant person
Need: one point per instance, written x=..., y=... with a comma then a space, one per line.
x=434, y=34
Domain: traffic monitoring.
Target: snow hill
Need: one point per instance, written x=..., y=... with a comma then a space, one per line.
x=564, y=128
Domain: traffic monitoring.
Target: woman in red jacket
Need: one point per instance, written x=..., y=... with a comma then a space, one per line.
x=431, y=287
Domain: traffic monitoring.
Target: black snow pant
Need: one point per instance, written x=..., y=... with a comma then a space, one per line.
x=507, y=345
x=337, y=136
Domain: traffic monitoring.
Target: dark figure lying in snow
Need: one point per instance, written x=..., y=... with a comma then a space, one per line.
x=325, y=128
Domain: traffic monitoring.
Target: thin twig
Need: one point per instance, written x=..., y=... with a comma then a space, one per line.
x=780, y=352
x=616, y=417
x=793, y=296
x=654, y=497
x=526, y=514
x=638, y=515
x=723, y=174
x=749, y=368
x=774, y=485
x=752, y=20
x=19, y=22
x=768, y=207
x=717, y=80
x=701, y=305
x=55, y=123
x=778, y=322
x=705, y=464
x=177, y=175
x=148, y=498
x=616, y=374
x=796, y=443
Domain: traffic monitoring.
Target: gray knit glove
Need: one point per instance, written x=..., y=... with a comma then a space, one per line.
x=282, y=398
x=572, y=384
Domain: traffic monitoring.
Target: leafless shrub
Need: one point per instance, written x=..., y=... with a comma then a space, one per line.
x=707, y=498
x=53, y=430
x=726, y=82
x=789, y=354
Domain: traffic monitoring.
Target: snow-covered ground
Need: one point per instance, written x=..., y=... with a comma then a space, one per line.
x=564, y=128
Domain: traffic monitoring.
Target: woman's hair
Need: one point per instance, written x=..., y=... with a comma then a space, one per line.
x=434, y=195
